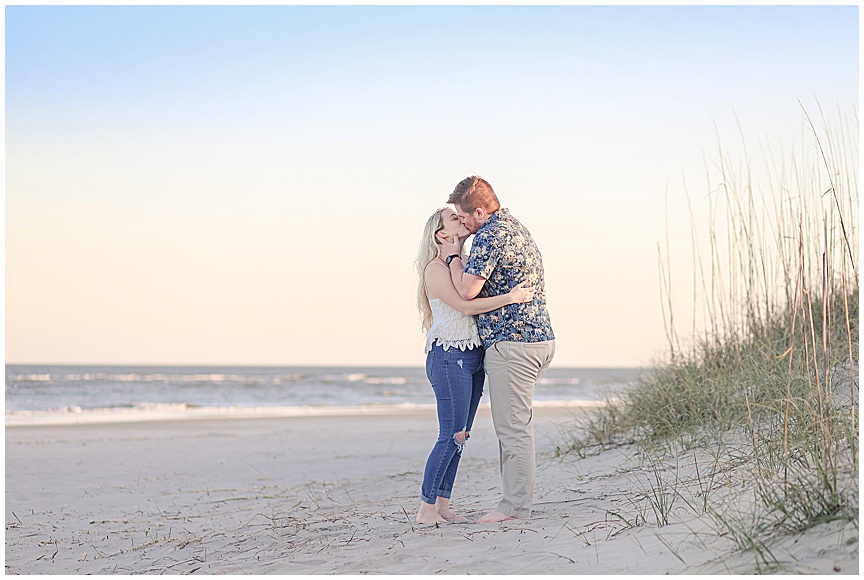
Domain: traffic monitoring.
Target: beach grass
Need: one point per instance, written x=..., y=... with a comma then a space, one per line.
x=768, y=385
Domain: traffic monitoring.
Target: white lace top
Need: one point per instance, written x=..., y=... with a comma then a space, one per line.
x=451, y=328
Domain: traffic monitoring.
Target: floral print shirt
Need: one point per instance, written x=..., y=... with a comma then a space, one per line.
x=505, y=254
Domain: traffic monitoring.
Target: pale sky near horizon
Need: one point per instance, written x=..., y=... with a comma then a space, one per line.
x=247, y=185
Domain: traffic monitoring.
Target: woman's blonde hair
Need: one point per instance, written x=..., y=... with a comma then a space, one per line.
x=426, y=252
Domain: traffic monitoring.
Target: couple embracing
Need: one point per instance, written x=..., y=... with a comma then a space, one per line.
x=484, y=314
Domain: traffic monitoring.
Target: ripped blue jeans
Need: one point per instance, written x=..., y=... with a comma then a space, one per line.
x=457, y=378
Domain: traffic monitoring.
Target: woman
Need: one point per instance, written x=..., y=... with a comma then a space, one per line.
x=454, y=359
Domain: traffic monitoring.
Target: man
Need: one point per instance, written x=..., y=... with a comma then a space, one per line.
x=518, y=338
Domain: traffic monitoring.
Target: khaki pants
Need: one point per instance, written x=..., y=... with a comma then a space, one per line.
x=514, y=368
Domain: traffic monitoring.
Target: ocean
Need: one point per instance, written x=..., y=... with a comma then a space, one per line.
x=54, y=394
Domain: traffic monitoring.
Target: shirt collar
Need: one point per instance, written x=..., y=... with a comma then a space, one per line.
x=496, y=216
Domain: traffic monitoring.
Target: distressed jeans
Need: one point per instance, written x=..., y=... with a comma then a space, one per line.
x=457, y=378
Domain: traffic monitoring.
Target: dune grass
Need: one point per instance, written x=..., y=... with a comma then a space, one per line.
x=770, y=382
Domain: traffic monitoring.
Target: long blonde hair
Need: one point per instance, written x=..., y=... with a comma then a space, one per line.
x=426, y=252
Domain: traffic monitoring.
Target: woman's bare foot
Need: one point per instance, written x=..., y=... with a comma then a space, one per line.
x=494, y=516
x=443, y=507
x=429, y=515
x=452, y=517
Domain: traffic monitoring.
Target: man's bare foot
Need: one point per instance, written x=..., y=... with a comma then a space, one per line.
x=429, y=515
x=443, y=507
x=494, y=516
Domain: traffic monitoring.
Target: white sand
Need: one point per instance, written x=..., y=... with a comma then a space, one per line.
x=338, y=495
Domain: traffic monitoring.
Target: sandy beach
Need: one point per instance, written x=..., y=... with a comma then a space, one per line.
x=338, y=495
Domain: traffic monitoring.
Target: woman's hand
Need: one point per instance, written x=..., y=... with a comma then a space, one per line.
x=521, y=293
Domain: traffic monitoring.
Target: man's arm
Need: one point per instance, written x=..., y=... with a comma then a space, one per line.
x=468, y=285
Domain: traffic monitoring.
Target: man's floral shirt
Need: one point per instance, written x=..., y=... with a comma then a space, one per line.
x=505, y=254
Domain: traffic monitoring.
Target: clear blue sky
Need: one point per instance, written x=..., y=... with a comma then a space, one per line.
x=247, y=185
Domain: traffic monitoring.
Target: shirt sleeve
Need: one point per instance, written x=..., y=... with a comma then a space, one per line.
x=484, y=256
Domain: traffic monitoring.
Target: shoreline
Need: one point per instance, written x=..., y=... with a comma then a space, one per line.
x=183, y=412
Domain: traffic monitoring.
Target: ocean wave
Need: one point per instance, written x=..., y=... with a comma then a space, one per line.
x=35, y=378
x=181, y=411
x=567, y=381
x=144, y=412
x=168, y=378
